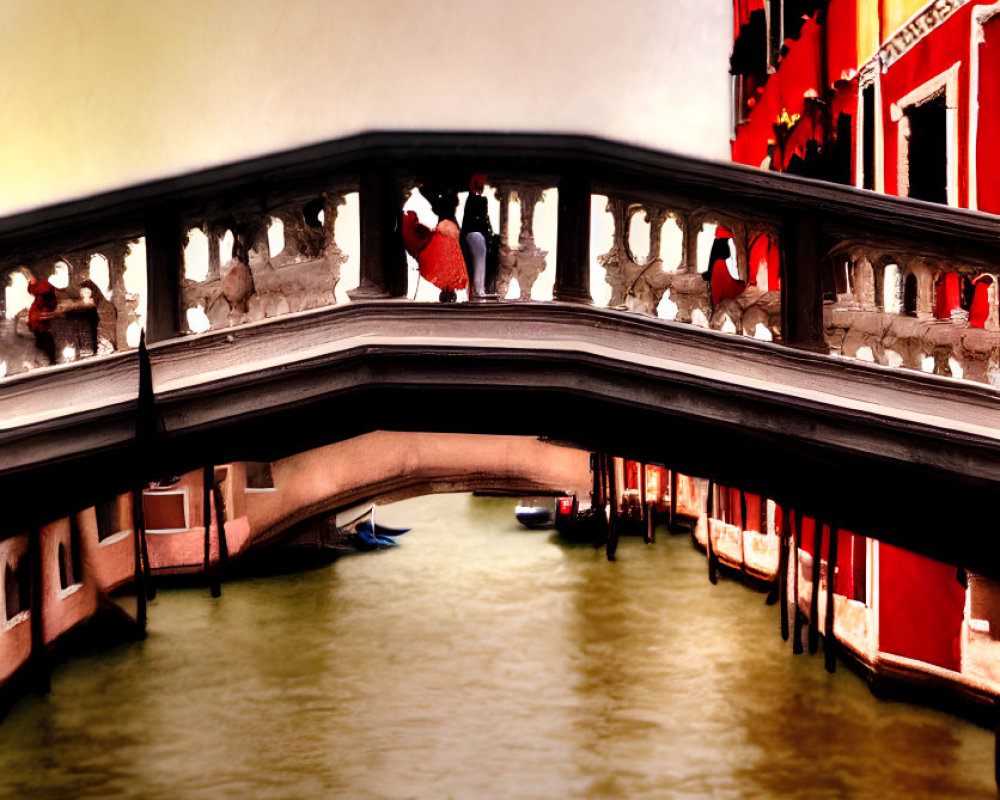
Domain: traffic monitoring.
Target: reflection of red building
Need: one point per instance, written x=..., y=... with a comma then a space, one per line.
x=901, y=97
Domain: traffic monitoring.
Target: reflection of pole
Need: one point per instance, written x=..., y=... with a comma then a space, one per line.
x=814, y=603
x=647, y=508
x=713, y=567
x=139, y=571
x=206, y=518
x=220, y=525
x=597, y=498
x=743, y=528
x=612, y=543
x=782, y=580
x=796, y=540
x=39, y=663
x=830, y=640
x=996, y=753
x=673, y=498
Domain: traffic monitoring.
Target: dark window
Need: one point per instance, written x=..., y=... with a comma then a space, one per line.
x=910, y=295
x=774, y=37
x=750, y=49
x=65, y=567
x=70, y=566
x=840, y=169
x=108, y=519
x=795, y=14
x=868, y=137
x=17, y=588
x=165, y=511
x=859, y=565
x=259, y=475
x=928, y=156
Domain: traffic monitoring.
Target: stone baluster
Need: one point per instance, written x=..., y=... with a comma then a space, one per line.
x=615, y=262
x=115, y=254
x=690, y=227
x=335, y=257
x=654, y=281
x=530, y=258
x=863, y=281
x=214, y=235
x=741, y=238
x=502, y=194
x=656, y=216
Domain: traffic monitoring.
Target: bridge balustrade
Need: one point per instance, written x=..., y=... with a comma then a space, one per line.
x=827, y=268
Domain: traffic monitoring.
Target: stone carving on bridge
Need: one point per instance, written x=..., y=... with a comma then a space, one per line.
x=263, y=265
x=900, y=309
x=676, y=288
x=637, y=282
x=95, y=313
x=525, y=261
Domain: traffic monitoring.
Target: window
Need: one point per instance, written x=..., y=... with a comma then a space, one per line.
x=165, y=510
x=70, y=566
x=840, y=169
x=868, y=137
x=928, y=140
x=259, y=475
x=109, y=520
x=17, y=588
x=928, y=154
x=910, y=295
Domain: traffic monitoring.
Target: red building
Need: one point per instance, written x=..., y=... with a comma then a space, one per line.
x=900, y=97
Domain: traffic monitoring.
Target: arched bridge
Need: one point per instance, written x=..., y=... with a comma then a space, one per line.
x=896, y=454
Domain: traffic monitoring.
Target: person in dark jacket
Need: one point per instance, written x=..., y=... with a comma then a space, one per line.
x=476, y=234
x=40, y=314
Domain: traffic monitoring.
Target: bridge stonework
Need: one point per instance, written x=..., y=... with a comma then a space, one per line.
x=819, y=272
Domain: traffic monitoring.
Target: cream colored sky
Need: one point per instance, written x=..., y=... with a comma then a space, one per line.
x=98, y=94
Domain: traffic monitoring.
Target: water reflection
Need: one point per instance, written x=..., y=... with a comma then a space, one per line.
x=477, y=660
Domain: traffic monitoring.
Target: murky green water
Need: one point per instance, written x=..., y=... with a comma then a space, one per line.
x=478, y=660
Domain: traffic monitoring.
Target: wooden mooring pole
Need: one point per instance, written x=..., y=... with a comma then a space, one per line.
x=39, y=670
x=783, y=561
x=673, y=499
x=797, y=614
x=830, y=638
x=220, y=524
x=611, y=546
x=211, y=574
x=713, y=563
x=139, y=570
x=814, y=602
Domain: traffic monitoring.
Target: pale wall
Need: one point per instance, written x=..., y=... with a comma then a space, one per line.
x=105, y=93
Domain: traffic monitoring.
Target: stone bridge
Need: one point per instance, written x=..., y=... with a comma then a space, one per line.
x=806, y=419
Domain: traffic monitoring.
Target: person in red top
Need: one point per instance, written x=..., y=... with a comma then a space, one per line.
x=438, y=254
x=724, y=285
x=40, y=314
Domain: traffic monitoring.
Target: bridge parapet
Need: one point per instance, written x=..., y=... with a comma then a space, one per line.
x=809, y=264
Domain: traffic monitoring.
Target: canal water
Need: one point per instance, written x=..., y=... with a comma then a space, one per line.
x=477, y=660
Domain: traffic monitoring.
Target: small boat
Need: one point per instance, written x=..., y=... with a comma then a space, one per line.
x=535, y=512
x=364, y=533
x=349, y=531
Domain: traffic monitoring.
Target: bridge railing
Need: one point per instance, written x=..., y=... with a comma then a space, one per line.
x=895, y=281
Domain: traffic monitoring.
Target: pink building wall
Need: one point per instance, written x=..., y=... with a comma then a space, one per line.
x=63, y=608
x=15, y=641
